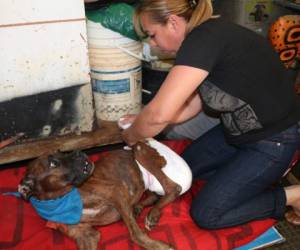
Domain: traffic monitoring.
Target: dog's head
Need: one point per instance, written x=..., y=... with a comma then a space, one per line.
x=51, y=176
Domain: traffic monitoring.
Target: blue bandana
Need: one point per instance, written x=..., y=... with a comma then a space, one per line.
x=66, y=209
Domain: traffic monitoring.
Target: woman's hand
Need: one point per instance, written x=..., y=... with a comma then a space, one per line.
x=129, y=137
x=125, y=123
x=126, y=120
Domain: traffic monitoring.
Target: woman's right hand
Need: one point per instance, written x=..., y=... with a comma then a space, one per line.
x=126, y=120
x=124, y=123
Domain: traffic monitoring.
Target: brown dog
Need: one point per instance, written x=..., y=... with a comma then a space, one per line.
x=110, y=189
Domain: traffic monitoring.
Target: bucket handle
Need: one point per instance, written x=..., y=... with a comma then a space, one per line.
x=127, y=51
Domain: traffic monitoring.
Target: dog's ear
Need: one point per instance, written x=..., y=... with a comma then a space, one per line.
x=25, y=188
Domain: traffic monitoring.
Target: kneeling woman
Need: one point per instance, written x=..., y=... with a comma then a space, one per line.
x=250, y=90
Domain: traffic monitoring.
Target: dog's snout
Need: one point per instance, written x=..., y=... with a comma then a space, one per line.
x=81, y=165
x=25, y=188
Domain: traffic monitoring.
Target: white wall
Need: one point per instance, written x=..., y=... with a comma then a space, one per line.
x=43, y=46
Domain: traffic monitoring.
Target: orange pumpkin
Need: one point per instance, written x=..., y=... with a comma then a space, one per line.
x=284, y=35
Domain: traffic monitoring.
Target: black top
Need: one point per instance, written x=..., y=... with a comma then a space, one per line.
x=248, y=86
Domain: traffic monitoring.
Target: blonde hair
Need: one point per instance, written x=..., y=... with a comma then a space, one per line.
x=194, y=12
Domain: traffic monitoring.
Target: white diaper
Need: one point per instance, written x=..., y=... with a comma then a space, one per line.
x=176, y=168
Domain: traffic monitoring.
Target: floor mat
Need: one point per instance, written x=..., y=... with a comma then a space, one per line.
x=21, y=228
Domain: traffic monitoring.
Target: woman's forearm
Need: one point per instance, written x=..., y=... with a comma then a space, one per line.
x=175, y=97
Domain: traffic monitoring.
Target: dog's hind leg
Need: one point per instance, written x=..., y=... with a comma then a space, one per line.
x=150, y=199
x=136, y=233
x=151, y=160
x=172, y=191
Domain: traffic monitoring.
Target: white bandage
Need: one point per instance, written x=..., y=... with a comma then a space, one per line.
x=176, y=169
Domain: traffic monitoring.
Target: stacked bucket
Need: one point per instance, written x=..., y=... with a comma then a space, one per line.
x=115, y=72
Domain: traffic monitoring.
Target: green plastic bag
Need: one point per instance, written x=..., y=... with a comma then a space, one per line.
x=116, y=17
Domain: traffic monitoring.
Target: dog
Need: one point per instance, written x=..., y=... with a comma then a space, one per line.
x=110, y=189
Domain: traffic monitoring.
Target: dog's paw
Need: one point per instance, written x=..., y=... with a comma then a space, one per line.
x=160, y=245
x=137, y=209
x=152, y=218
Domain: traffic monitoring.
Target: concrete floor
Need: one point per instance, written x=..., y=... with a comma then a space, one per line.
x=290, y=232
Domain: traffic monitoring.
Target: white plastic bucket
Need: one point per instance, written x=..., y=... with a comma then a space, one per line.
x=115, y=71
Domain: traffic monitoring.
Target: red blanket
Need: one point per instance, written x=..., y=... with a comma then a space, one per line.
x=22, y=228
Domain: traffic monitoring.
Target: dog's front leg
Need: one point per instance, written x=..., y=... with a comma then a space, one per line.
x=86, y=237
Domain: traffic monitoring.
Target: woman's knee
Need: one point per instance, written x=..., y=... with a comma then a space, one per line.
x=204, y=216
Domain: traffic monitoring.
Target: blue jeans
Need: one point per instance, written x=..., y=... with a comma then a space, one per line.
x=241, y=179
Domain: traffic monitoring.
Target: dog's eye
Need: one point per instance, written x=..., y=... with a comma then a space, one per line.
x=53, y=163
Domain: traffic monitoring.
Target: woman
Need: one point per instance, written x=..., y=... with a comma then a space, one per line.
x=252, y=92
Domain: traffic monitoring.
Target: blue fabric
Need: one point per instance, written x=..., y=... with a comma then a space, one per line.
x=240, y=178
x=66, y=209
x=17, y=194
